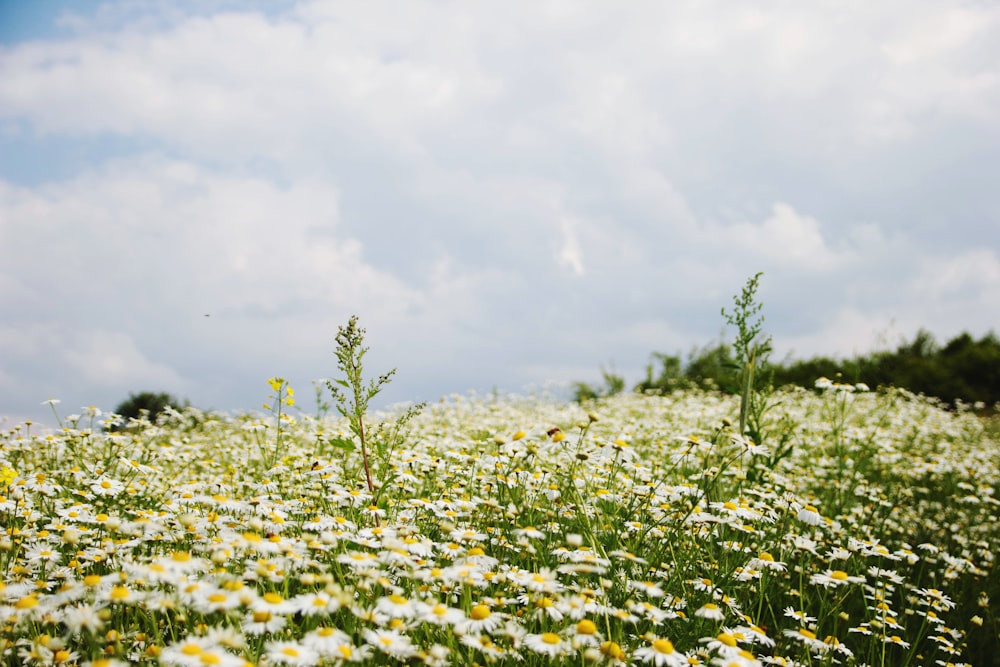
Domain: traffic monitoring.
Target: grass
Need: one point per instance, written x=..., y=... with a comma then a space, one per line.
x=632, y=530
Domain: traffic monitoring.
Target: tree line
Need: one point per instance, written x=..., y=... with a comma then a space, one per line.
x=962, y=371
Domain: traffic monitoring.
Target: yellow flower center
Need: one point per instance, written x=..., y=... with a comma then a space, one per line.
x=664, y=646
x=26, y=602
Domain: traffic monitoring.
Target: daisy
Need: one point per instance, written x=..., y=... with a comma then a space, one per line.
x=548, y=643
x=391, y=643
x=106, y=486
x=807, y=638
x=291, y=653
x=661, y=653
x=725, y=643
x=710, y=611
x=800, y=615
x=310, y=604
x=207, y=599
x=649, y=588
x=262, y=621
x=484, y=645
x=810, y=515
x=327, y=641
x=82, y=619
x=274, y=603
x=835, y=578
x=197, y=652
x=765, y=561
x=897, y=640
x=741, y=658
x=396, y=606
x=439, y=614
x=585, y=634
x=481, y=619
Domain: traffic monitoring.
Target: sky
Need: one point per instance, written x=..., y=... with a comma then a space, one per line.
x=195, y=195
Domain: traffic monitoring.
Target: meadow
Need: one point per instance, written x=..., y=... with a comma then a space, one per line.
x=853, y=528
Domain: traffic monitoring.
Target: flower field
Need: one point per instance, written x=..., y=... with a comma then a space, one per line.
x=861, y=530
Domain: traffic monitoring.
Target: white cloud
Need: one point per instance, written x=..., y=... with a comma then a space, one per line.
x=785, y=238
x=470, y=178
x=570, y=255
x=104, y=358
x=973, y=273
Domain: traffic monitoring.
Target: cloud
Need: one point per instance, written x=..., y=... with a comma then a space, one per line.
x=504, y=194
x=976, y=271
x=570, y=256
x=785, y=238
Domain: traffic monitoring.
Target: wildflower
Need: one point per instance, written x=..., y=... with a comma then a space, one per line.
x=710, y=611
x=649, y=588
x=802, y=617
x=543, y=581
x=207, y=599
x=530, y=532
x=835, y=578
x=310, y=604
x=82, y=619
x=810, y=515
x=661, y=653
x=548, y=643
x=585, y=634
x=808, y=639
x=741, y=658
x=7, y=476
x=262, y=621
x=484, y=644
x=481, y=619
x=105, y=486
x=328, y=641
x=197, y=652
x=273, y=603
x=391, y=643
x=291, y=653
x=765, y=561
x=439, y=614
x=725, y=643
x=613, y=652
x=396, y=606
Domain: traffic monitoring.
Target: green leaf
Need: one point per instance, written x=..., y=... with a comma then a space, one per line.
x=341, y=443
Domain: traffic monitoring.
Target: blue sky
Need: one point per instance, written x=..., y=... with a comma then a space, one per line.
x=507, y=194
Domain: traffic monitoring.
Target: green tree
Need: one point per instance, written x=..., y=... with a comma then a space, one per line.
x=147, y=404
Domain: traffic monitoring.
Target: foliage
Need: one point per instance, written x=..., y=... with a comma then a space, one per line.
x=147, y=404
x=352, y=396
x=751, y=353
x=282, y=396
x=963, y=371
x=613, y=384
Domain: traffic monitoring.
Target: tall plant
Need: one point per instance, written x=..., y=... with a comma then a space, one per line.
x=751, y=348
x=352, y=395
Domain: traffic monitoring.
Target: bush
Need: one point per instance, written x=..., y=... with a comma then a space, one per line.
x=148, y=404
